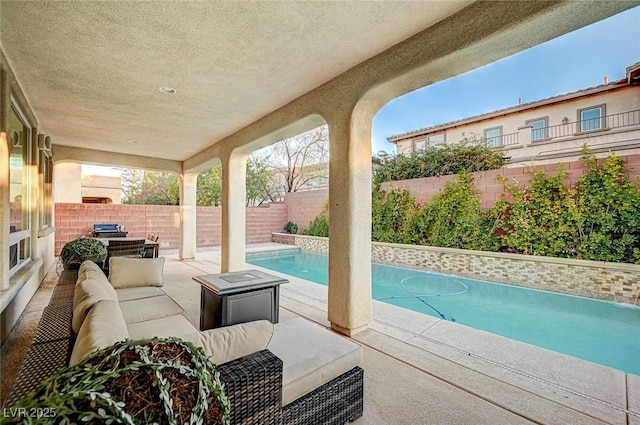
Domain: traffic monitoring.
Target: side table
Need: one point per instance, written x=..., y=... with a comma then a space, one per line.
x=238, y=297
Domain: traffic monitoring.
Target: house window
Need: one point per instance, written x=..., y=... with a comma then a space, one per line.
x=436, y=140
x=538, y=128
x=419, y=145
x=45, y=170
x=19, y=211
x=591, y=118
x=493, y=136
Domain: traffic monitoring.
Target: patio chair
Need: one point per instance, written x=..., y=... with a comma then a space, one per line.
x=151, y=251
x=124, y=248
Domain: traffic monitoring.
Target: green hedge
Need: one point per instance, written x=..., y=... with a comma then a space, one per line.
x=432, y=162
x=596, y=219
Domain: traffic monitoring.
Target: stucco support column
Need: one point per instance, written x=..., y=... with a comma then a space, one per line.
x=350, y=222
x=188, y=231
x=234, y=210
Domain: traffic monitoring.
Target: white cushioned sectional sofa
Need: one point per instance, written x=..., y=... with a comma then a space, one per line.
x=131, y=304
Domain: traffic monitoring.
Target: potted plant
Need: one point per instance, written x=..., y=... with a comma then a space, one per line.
x=78, y=250
x=291, y=227
x=158, y=380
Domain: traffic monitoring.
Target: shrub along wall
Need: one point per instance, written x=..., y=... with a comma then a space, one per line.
x=594, y=279
x=305, y=206
x=597, y=217
x=73, y=220
x=490, y=190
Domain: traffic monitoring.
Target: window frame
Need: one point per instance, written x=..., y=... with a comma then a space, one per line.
x=438, y=143
x=544, y=129
x=499, y=137
x=24, y=235
x=601, y=120
x=415, y=147
x=45, y=182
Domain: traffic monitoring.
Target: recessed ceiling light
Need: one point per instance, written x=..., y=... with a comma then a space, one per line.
x=132, y=141
x=168, y=90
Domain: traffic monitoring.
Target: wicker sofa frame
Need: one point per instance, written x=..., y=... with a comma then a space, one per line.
x=253, y=383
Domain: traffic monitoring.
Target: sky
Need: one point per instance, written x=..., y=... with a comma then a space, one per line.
x=574, y=61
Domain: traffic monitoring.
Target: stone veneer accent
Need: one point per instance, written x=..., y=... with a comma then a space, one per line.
x=283, y=238
x=600, y=280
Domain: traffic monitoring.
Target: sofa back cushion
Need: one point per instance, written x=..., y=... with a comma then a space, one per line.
x=102, y=327
x=232, y=342
x=89, y=269
x=89, y=290
x=131, y=272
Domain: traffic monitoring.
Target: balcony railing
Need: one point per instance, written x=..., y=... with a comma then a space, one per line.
x=493, y=142
x=607, y=122
x=568, y=129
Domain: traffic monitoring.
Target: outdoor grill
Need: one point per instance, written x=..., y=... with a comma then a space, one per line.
x=108, y=231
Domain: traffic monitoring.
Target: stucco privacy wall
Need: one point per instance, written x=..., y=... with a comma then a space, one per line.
x=599, y=280
x=73, y=220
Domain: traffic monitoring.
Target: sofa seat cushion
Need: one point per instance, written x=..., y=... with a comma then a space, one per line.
x=232, y=342
x=164, y=327
x=128, y=294
x=103, y=326
x=86, y=294
x=311, y=356
x=131, y=272
x=151, y=308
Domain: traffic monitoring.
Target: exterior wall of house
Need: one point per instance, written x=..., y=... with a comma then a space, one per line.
x=71, y=186
x=564, y=141
x=67, y=184
x=102, y=187
x=74, y=220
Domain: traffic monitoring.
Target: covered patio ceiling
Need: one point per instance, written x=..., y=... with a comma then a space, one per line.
x=92, y=71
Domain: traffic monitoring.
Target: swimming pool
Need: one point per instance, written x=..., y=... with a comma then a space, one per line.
x=602, y=332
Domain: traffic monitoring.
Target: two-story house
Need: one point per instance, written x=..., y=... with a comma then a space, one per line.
x=605, y=117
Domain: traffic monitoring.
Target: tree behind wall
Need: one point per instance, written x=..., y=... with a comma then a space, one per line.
x=149, y=187
x=157, y=188
x=305, y=159
x=301, y=162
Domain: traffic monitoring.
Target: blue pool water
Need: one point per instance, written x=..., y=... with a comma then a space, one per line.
x=602, y=332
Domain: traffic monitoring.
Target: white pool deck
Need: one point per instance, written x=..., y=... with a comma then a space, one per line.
x=423, y=370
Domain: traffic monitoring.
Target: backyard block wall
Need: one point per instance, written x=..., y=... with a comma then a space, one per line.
x=305, y=206
x=73, y=220
x=489, y=190
x=593, y=279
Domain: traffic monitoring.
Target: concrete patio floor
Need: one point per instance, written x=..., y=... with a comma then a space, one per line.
x=424, y=370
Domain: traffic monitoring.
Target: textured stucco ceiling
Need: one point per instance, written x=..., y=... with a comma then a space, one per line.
x=92, y=70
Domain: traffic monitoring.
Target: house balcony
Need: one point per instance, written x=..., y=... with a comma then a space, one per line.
x=610, y=132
